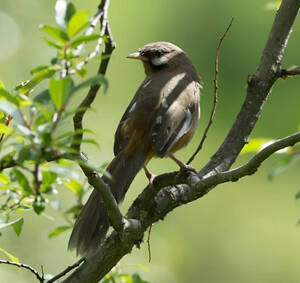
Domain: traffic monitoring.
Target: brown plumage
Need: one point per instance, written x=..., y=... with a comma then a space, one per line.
x=161, y=119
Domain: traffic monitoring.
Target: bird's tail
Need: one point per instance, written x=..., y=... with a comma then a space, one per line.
x=92, y=223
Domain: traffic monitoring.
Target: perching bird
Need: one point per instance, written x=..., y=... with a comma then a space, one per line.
x=161, y=119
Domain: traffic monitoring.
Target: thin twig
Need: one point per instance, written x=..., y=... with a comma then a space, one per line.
x=148, y=243
x=113, y=211
x=88, y=100
x=7, y=121
x=293, y=71
x=25, y=266
x=103, y=28
x=90, y=29
x=65, y=271
x=216, y=87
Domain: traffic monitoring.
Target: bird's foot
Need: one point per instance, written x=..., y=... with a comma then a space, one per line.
x=183, y=167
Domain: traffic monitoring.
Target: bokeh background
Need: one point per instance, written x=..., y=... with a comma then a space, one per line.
x=240, y=232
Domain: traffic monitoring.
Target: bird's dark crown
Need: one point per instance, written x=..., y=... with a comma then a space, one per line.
x=158, y=49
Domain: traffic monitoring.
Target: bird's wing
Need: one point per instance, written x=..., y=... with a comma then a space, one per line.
x=177, y=114
x=121, y=139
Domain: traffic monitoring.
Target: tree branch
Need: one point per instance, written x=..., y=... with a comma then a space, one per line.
x=148, y=211
x=88, y=100
x=259, y=86
x=64, y=272
x=293, y=71
x=24, y=266
x=114, y=213
x=155, y=202
x=215, y=101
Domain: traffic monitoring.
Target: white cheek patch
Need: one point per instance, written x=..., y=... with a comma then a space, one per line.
x=157, y=61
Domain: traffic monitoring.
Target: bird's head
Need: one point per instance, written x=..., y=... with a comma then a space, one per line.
x=157, y=56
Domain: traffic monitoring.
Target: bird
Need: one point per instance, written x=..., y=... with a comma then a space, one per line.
x=161, y=119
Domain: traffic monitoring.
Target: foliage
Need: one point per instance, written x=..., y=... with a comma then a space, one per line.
x=289, y=156
x=36, y=158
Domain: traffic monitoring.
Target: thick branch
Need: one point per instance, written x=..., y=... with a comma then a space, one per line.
x=156, y=202
x=148, y=211
x=259, y=86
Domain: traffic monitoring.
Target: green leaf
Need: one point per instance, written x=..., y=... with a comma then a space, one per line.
x=4, y=178
x=12, y=110
x=59, y=230
x=34, y=81
x=22, y=180
x=38, y=69
x=4, y=94
x=137, y=279
x=95, y=80
x=5, y=130
x=283, y=164
x=60, y=91
x=24, y=154
x=55, y=33
x=125, y=278
x=44, y=111
x=256, y=145
x=7, y=224
x=53, y=44
x=63, y=12
x=39, y=204
x=43, y=97
x=84, y=39
x=18, y=226
x=10, y=256
x=1, y=85
x=81, y=71
x=77, y=23
x=48, y=178
x=297, y=195
x=75, y=187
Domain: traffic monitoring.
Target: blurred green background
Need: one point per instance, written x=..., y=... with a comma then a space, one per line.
x=240, y=232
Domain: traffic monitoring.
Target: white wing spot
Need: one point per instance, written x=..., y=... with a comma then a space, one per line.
x=132, y=107
x=158, y=120
x=147, y=82
x=164, y=103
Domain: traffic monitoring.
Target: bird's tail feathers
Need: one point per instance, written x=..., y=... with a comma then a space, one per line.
x=92, y=223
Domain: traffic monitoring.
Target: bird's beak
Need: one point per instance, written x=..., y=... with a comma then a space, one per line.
x=137, y=55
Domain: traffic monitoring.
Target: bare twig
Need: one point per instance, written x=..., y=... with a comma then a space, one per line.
x=216, y=87
x=7, y=121
x=91, y=28
x=88, y=100
x=103, y=31
x=68, y=269
x=293, y=71
x=259, y=86
x=114, y=213
x=24, y=266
